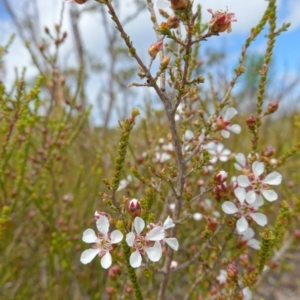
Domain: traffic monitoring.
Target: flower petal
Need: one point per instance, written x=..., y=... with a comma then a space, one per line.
x=155, y=234
x=258, y=202
x=106, y=260
x=230, y=113
x=168, y=223
x=139, y=225
x=240, y=193
x=248, y=234
x=229, y=207
x=225, y=133
x=172, y=242
x=130, y=239
x=254, y=243
x=251, y=197
x=116, y=236
x=89, y=236
x=235, y=128
x=259, y=218
x=103, y=225
x=88, y=255
x=154, y=253
x=237, y=166
x=273, y=178
x=242, y=224
x=135, y=259
x=241, y=159
x=258, y=168
x=243, y=181
x=270, y=195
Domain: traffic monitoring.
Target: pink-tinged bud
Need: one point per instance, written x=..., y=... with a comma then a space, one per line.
x=109, y=290
x=232, y=270
x=297, y=234
x=174, y=264
x=128, y=290
x=268, y=151
x=221, y=21
x=244, y=260
x=211, y=223
x=272, y=106
x=155, y=48
x=220, y=177
x=114, y=271
x=173, y=22
x=134, y=208
x=99, y=214
x=179, y=4
x=220, y=191
x=273, y=264
x=165, y=62
x=251, y=121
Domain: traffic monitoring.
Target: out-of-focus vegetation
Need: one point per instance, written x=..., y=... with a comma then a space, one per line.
x=53, y=162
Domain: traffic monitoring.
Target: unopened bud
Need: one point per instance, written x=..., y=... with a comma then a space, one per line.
x=251, y=121
x=232, y=270
x=155, y=48
x=173, y=21
x=272, y=106
x=244, y=260
x=174, y=264
x=179, y=4
x=114, y=271
x=220, y=177
x=165, y=62
x=109, y=290
x=134, y=208
x=212, y=223
x=268, y=151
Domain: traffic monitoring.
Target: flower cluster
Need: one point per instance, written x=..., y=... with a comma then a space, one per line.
x=144, y=240
x=249, y=190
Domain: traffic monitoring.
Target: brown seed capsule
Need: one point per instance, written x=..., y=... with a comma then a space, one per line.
x=179, y=4
x=173, y=22
x=164, y=63
x=272, y=106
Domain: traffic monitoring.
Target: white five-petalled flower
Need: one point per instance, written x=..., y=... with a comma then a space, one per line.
x=143, y=242
x=223, y=123
x=244, y=211
x=102, y=243
x=257, y=183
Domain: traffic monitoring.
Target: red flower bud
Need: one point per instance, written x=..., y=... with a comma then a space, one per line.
x=221, y=21
x=272, y=106
x=232, y=270
x=155, y=48
x=220, y=177
x=134, y=208
x=251, y=121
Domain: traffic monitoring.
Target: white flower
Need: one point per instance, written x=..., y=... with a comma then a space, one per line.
x=224, y=124
x=247, y=237
x=103, y=243
x=217, y=151
x=222, y=277
x=197, y=216
x=142, y=242
x=168, y=147
x=188, y=135
x=257, y=183
x=241, y=163
x=244, y=210
x=247, y=293
x=161, y=157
